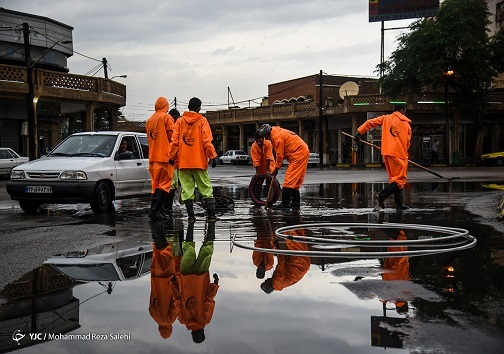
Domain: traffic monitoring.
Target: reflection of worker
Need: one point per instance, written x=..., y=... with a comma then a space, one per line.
x=289, y=269
x=396, y=268
x=163, y=306
x=262, y=260
x=288, y=145
x=159, y=129
x=261, y=152
x=197, y=292
x=434, y=152
x=395, y=138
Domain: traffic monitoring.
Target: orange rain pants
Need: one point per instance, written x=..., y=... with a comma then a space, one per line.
x=291, y=269
x=397, y=170
x=288, y=145
x=161, y=176
x=398, y=266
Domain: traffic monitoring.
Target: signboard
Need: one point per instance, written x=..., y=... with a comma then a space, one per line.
x=388, y=10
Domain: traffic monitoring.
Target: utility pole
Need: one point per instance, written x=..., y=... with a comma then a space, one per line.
x=104, y=61
x=321, y=143
x=30, y=109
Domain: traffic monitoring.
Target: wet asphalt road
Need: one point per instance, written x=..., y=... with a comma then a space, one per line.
x=28, y=240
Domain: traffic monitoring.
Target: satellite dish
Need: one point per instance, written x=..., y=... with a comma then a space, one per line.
x=349, y=88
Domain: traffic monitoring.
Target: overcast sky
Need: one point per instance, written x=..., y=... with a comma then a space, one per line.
x=187, y=48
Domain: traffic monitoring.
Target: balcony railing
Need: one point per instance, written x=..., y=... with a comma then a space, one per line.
x=53, y=84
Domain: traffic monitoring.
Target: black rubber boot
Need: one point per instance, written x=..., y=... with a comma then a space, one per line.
x=153, y=214
x=399, y=200
x=296, y=199
x=210, y=204
x=286, y=199
x=190, y=232
x=190, y=210
x=168, y=203
x=385, y=193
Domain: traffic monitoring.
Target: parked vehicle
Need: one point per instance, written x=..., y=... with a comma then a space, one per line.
x=493, y=158
x=116, y=261
x=9, y=159
x=313, y=160
x=84, y=168
x=235, y=157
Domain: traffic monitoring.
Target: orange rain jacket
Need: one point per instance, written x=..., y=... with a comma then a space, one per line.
x=291, y=269
x=159, y=128
x=197, y=303
x=288, y=145
x=396, y=141
x=397, y=267
x=163, y=306
x=261, y=154
x=192, y=141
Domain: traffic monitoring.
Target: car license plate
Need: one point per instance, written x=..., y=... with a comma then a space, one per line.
x=38, y=189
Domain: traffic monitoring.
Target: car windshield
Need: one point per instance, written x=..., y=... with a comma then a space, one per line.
x=86, y=145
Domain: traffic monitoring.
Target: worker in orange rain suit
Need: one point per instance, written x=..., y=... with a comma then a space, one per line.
x=173, y=197
x=197, y=293
x=164, y=295
x=397, y=268
x=159, y=128
x=290, y=268
x=192, y=141
x=261, y=152
x=395, y=143
x=288, y=145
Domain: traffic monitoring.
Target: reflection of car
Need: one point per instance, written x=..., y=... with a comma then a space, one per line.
x=110, y=262
x=494, y=158
x=9, y=159
x=84, y=168
x=495, y=185
x=313, y=160
x=235, y=157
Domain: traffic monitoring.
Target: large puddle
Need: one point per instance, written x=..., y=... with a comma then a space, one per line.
x=107, y=300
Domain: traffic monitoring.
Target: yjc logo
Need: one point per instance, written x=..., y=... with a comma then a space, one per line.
x=17, y=336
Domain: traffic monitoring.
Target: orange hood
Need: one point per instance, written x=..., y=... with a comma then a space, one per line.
x=162, y=105
x=191, y=117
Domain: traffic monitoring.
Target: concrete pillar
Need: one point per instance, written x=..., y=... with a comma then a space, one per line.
x=89, y=123
x=224, y=139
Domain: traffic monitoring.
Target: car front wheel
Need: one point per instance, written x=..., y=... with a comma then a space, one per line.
x=499, y=161
x=101, y=200
x=29, y=207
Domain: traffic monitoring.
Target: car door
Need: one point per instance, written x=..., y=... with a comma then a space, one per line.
x=130, y=172
x=144, y=156
x=5, y=162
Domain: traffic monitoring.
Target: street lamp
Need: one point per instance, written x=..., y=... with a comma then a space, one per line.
x=123, y=76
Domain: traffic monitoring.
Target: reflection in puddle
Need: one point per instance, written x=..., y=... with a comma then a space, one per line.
x=323, y=304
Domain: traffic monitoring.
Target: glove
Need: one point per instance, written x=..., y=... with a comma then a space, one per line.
x=357, y=136
x=215, y=279
x=214, y=163
x=171, y=162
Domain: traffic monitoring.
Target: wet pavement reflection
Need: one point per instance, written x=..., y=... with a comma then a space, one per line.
x=186, y=287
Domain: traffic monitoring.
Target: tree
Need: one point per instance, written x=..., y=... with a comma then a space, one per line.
x=457, y=39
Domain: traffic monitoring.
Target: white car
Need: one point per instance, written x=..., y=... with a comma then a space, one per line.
x=9, y=159
x=235, y=157
x=84, y=168
x=116, y=261
x=313, y=160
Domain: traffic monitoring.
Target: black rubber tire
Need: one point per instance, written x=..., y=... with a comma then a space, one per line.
x=102, y=198
x=259, y=180
x=499, y=161
x=222, y=203
x=29, y=207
